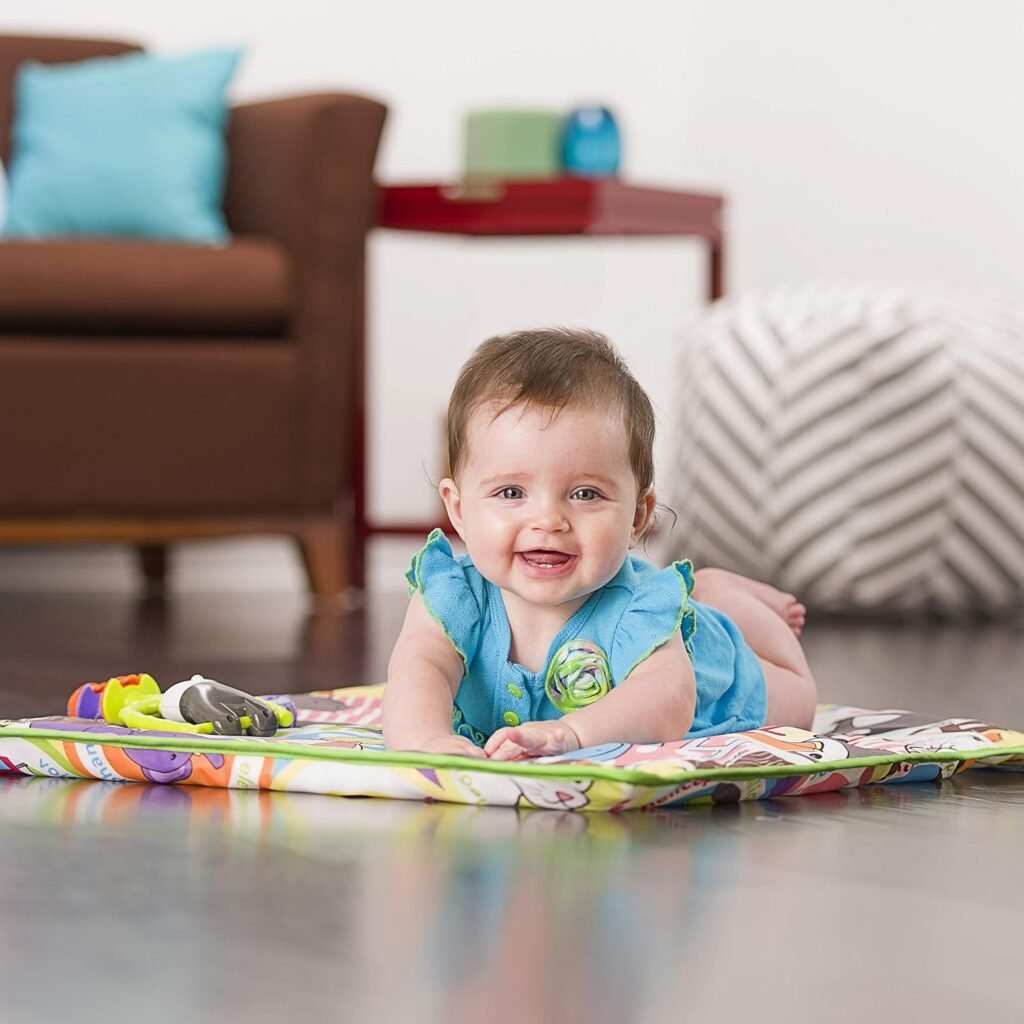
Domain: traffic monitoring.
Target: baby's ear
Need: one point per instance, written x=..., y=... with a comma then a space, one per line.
x=449, y=492
x=642, y=516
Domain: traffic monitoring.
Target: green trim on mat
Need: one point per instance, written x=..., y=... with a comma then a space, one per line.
x=573, y=770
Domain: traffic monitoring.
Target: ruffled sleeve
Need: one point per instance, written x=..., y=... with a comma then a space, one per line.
x=452, y=592
x=659, y=607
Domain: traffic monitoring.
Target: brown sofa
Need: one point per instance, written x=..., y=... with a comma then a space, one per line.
x=152, y=392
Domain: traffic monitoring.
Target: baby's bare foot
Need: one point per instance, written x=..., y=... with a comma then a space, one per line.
x=784, y=604
x=796, y=616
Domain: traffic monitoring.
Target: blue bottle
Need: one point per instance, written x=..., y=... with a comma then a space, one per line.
x=591, y=147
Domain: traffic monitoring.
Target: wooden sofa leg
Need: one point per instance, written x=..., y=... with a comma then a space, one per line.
x=153, y=562
x=325, y=557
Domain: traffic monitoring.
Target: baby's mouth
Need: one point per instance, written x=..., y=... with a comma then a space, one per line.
x=541, y=558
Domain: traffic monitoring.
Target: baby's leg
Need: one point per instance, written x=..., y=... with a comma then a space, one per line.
x=792, y=692
x=781, y=602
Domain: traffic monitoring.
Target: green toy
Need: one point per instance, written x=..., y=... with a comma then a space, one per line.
x=197, y=705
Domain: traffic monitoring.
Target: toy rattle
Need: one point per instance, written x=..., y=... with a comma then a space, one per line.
x=197, y=705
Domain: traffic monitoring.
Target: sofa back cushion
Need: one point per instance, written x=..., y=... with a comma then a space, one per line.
x=129, y=146
x=16, y=50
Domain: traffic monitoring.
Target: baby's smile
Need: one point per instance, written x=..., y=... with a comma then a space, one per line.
x=546, y=563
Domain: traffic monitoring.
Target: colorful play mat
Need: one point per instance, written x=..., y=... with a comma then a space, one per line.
x=336, y=749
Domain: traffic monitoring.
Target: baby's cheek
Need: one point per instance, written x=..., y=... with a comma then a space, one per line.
x=491, y=558
x=614, y=544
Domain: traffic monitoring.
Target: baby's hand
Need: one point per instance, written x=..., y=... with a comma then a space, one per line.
x=451, y=744
x=534, y=739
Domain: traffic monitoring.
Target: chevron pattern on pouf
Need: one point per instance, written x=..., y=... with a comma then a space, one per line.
x=860, y=446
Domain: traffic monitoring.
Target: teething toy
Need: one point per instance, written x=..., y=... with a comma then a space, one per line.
x=197, y=705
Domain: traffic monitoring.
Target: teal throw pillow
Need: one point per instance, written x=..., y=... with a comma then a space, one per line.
x=129, y=146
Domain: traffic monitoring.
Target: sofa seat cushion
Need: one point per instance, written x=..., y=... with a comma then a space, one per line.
x=115, y=286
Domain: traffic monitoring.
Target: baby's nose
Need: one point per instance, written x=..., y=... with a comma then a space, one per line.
x=550, y=518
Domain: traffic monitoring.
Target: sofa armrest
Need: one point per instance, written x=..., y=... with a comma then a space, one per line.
x=301, y=171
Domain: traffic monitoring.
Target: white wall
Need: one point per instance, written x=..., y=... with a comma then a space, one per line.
x=874, y=140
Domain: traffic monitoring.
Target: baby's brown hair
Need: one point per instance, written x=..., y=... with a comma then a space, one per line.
x=553, y=368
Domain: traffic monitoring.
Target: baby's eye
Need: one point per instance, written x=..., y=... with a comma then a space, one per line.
x=585, y=494
x=511, y=493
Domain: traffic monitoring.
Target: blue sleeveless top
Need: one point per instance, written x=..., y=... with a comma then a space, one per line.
x=606, y=638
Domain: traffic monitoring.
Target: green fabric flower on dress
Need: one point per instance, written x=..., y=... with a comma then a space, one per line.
x=577, y=676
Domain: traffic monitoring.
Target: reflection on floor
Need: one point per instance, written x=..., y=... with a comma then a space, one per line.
x=417, y=912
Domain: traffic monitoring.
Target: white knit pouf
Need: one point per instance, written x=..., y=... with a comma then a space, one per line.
x=862, y=447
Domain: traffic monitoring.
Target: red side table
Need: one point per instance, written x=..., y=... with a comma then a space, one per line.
x=559, y=207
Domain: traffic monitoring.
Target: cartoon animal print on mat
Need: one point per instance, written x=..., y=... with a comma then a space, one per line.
x=762, y=747
x=345, y=737
x=157, y=765
x=446, y=784
x=554, y=794
x=864, y=722
x=359, y=705
x=598, y=752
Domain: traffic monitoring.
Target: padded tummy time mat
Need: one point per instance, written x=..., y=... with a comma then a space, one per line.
x=336, y=749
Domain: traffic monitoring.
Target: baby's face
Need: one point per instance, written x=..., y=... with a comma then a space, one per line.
x=547, y=507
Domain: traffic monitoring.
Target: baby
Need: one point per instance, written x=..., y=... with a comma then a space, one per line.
x=548, y=636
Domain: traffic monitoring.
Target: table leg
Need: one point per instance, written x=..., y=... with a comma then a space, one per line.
x=716, y=268
x=360, y=526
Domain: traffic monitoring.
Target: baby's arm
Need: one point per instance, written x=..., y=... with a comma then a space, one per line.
x=423, y=677
x=654, y=704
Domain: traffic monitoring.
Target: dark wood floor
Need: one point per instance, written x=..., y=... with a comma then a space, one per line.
x=892, y=902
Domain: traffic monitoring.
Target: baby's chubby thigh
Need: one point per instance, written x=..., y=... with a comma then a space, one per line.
x=734, y=684
x=757, y=633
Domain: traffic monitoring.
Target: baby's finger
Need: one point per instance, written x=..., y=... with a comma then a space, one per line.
x=538, y=742
x=534, y=742
x=496, y=740
x=508, y=751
